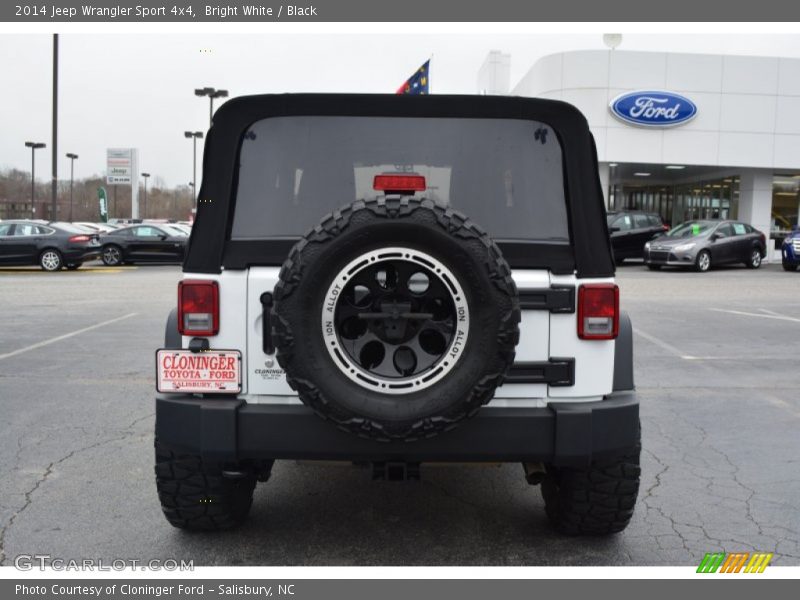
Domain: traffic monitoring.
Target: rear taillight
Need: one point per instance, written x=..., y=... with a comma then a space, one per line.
x=79, y=238
x=198, y=307
x=401, y=184
x=598, y=311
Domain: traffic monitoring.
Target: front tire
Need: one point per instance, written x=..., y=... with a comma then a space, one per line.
x=703, y=261
x=194, y=495
x=50, y=260
x=112, y=255
x=789, y=267
x=596, y=500
x=654, y=267
x=755, y=259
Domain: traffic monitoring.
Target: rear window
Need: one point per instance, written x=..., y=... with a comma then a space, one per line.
x=506, y=174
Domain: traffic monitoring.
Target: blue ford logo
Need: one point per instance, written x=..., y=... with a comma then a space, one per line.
x=653, y=109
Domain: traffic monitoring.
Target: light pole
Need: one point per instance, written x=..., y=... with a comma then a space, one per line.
x=194, y=136
x=33, y=146
x=71, y=158
x=211, y=93
x=54, y=180
x=144, y=209
x=191, y=198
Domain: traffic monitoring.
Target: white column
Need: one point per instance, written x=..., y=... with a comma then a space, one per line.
x=605, y=174
x=494, y=76
x=755, y=201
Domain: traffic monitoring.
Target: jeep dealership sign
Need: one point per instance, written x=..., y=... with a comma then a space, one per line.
x=653, y=108
x=120, y=166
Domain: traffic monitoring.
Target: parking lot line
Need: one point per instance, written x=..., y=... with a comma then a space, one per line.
x=767, y=314
x=661, y=344
x=37, y=271
x=65, y=336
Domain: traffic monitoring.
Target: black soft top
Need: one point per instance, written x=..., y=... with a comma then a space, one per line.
x=210, y=248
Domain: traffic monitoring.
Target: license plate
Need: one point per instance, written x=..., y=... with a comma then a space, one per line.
x=211, y=372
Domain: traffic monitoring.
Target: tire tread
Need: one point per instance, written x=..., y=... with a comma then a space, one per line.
x=195, y=495
x=596, y=500
x=456, y=224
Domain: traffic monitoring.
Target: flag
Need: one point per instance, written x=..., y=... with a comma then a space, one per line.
x=419, y=83
x=103, y=199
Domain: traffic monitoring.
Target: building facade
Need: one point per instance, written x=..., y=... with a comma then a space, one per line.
x=737, y=156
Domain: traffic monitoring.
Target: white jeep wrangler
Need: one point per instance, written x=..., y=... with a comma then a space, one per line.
x=392, y=280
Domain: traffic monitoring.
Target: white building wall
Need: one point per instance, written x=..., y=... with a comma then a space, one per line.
x=494, y=76
x=748, y=108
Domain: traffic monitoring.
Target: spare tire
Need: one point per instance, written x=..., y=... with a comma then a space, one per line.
x=395, y=318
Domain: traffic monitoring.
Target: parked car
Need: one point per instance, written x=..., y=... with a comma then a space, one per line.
x=185, y=229
x=124, y=222
x=171, y=228
x=51, y=245
x=790, y=251
x=701, y=244
x=630, y=230
x=142, y=243
x=381, y=333
x=98, y=227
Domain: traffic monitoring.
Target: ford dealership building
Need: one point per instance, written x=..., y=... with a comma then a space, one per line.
x=685, y=135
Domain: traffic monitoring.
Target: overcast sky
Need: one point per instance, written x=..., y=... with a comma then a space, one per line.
x=131, y=90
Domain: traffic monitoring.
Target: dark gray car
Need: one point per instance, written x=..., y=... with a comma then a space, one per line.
x=701, y=244
x=51, y=245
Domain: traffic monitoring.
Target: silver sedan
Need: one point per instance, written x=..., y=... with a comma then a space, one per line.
x=701, y=244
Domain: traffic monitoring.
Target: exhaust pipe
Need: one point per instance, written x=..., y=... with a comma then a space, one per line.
x=534, y=472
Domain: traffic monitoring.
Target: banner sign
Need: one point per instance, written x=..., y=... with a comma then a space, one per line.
x=103, y=198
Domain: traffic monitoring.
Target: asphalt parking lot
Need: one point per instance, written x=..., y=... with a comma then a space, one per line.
x=716, y=370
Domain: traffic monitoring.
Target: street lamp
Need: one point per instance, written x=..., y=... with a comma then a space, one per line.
x=33, y=146
x=211, y=93
x=71, y=158
x=194, y=136
x=191, y=198
x=144, y=210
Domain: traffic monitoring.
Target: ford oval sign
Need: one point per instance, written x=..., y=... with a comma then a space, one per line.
x=653, y=109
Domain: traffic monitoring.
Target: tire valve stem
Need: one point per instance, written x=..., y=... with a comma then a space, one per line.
x=266, y=331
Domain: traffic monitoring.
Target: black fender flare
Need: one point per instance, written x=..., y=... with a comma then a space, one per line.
x=623, y=355
x=173, y=339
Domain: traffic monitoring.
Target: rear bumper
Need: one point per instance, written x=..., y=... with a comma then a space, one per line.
x=230, y=430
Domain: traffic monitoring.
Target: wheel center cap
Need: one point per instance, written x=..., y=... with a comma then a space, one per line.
x=395, y=309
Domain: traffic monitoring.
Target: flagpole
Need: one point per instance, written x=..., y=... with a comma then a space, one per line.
x=430, y=81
